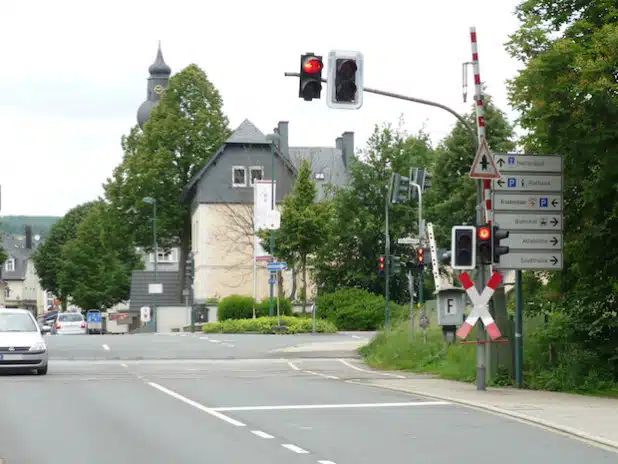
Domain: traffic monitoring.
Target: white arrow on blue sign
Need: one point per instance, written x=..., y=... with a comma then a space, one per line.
x=277, y=266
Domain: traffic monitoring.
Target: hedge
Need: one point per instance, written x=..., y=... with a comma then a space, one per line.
x=241, y=307
x=356, y=309
x=265, y=325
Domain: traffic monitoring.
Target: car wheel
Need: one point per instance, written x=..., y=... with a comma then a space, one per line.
x=42, y=371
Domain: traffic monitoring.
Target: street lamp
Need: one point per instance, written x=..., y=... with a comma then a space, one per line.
x=273, y=138
x=153, y=202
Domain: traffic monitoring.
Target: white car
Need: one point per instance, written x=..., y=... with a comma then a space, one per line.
x=70, y=324
x=21, y=344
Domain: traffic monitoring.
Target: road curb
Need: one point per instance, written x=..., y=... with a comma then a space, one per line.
x=505, y=412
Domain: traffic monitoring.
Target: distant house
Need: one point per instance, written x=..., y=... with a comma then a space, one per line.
x=19, y=285
x=221, y=198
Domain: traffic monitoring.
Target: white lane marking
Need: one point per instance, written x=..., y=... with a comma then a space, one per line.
x=326, y=376
x=326, y=462
x=203, y=338
x=261, y=434
x=295, y=448
x=357, y=337
x=124, y=365
x=196, y=405
x=105, y=347
x=332, y=406
x=352, y=366
x=293, y=366
x=214, y=341
x=228, y=345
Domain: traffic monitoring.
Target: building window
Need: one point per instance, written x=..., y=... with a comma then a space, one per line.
x=163, y=257
x=9, y=265
x=256, y=173
x=320, y=176
x=239, y=176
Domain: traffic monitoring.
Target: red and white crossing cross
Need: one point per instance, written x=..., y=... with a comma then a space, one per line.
x=480, y=309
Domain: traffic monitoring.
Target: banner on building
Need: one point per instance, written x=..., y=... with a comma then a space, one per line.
x=263, y=215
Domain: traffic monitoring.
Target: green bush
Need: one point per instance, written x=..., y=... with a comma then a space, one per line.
x=356, y=309
x=266, y=325
x=241, y=307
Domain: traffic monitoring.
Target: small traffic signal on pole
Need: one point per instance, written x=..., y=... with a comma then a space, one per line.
x=395, y=265
x=498, y=250
x=483, y=241
x=345, y=80
x=381, y=266
x=310, y=85
x=400, y=188
x=420, y=257
x=463, y=247
x=420, y=176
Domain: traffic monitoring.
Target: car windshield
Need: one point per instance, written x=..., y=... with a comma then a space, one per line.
x=16, y=322
x=70, y=318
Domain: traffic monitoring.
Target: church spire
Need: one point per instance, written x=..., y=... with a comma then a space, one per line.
x=157, y=82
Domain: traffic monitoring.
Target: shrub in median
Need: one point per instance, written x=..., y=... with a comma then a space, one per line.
x=356, y=309
x=266, y=325
x=241, y=307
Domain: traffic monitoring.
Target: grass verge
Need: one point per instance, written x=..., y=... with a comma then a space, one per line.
x=266, y=325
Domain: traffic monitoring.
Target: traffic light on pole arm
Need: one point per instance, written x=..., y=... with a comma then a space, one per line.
x=420, y=258
x=484, y=245
x=463, y=247
x=381, y=266
x=499, y=250
x=395, y=265
x=345, y=80
x=310, y=85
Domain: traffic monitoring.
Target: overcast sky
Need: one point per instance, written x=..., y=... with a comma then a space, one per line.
x=74, y=74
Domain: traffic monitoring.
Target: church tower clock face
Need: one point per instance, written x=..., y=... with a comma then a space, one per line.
x=158, y=89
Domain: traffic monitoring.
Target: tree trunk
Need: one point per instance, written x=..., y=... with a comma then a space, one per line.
x=304, y=291
x=294, y=283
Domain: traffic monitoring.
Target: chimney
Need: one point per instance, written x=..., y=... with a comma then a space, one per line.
x=28, y=237
x=347, y=149
x=339, y=144
x=284, y=143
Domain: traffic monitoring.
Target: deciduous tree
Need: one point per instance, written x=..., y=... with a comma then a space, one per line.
x=184, y=131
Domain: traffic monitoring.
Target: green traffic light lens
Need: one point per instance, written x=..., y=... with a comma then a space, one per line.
x=347, y=69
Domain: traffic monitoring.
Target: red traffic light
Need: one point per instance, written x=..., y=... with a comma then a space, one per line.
x=484, y=233
x=313, y=66
x=381, y=265
x=420, y=255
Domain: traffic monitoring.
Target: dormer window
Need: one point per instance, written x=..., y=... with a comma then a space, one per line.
x=320, y=176
x=9, y=266
x=239, y=176
x=256, y=173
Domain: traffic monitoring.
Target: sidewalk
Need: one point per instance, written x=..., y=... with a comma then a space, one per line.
x=590, y=418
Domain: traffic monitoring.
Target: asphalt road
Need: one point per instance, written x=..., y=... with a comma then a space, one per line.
x=127, y=399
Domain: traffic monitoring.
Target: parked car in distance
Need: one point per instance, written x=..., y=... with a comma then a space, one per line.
x=69, y=324
x=21, y=344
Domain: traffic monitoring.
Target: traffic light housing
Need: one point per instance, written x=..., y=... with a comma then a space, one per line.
x=463, y=247
x=400, y=188
x=310, y=85
x=345, y=80
x=420, y=258
x=381, y=266
x=395, y=265
x=189, y=269
x=421, y=177
x=484, y=244
x=499, y=250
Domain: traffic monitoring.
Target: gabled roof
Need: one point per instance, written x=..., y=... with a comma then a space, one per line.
x=327, y=166
x=245, y=134
x=15, y=248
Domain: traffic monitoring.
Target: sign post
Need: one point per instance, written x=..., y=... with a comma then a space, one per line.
x=528, y=202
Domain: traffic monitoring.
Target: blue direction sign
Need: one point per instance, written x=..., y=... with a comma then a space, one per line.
x=277, y=266
x=94, y=317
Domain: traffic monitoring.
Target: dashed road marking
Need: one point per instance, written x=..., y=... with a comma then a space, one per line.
x=293, y=366
x=105, y=347
x=261, y=434
x=196, y=405
x=352, y=366
x=326, y=462
x=295, y=448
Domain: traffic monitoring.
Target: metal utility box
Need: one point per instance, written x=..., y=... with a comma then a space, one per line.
x=451, y=304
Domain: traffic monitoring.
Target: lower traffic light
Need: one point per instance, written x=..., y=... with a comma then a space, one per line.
x=484, y=246
x=395, y=265
x=420, y=257
x=381, y=267
x=463, y=247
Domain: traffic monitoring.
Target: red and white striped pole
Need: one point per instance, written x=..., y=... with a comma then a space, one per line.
x=480, y=117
